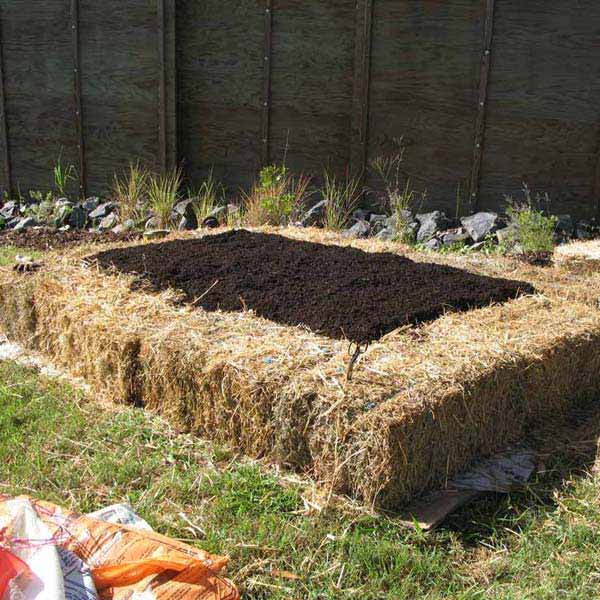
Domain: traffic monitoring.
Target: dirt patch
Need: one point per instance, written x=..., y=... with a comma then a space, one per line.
x=52, y=239
x=341, y=292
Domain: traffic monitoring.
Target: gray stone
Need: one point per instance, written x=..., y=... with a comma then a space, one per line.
x=109, y=222
x=152, y=224
x=219, y=213
x=565, y=227
x=387, y=234
x=25, y=223
x=360, y=214
x=508, y=235
x=103, y=210
x=378, y=223
x=78, y=218
x=584, y=230
x=156, y=234
x=9, y=210
x=314, y=215
x=62, y=215
x=433, y=244
x=451, y=237
x=187, y=223
x=210, y=223
x=91, y=204
x=476, y=247
x=481, y=224
x=430, y=224
x=360, y=229
x=11, y=223
x=127, y=225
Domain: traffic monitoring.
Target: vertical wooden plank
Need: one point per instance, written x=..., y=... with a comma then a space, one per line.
x=484, y=78
x=597, y=185
x=266, y=95
x=162, y=86
x=171, y=83
x=4, y=122
x=78, y=101
x=362, y=86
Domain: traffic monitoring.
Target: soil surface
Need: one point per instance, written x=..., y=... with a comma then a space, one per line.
x=50, y=239
x=338, y=291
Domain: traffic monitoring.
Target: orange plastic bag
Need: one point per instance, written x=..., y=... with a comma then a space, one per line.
x=124, y=560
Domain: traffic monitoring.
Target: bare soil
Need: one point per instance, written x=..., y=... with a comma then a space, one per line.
x=341, y=292
x=51, y=239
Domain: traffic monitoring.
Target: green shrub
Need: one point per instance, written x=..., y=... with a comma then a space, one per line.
x=130, y=191
x=535, y=231
x=342, y=197
x=163, y=194
x=210, y=195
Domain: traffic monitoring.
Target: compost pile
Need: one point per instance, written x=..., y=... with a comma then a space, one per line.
x=341, y=292
x=53, y=239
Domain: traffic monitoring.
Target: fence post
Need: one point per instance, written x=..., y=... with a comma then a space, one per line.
x=4, y=120
x=482, y=102
x=78, y=101
x=266, y=94
x=362, y=85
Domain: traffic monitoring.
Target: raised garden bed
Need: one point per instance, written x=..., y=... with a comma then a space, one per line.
x=46, y=238
x=341, y=292
x=425, y=400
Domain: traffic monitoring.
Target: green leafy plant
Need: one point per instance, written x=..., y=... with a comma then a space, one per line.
x=163, y=194
x=130, y=191
x=63, y=174
x=534, y=230
x=209, y=196
x=342, y=197
x=276, y=198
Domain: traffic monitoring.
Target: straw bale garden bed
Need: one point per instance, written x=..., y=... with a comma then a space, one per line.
x=247, y=337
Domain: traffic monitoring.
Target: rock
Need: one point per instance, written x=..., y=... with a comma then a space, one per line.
x=378, y=223
x=219, y=213
x=109, y=222
x=584, y=230
x=430, y=224
x=153, y=224
x=10, y=210
x=360, y=214
x=124, y=227
x=565, y=227
x=360, y=229
x=78, y=218
x=508, y=235
x=455, y=236
x=481, y=224
x=91, y=204
x=313, y=216
x=433, y=244
x=156, y=234
x=25, y=223
x=476, y=247
x=62, y=215
x=210, y=223
x=188, y=220
x=102, y=210
x=387, y=234
x=11, y=223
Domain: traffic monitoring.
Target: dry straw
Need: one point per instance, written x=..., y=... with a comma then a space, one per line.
x=422, y=404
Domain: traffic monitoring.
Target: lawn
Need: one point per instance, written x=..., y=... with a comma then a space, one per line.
x=8, y=254
x=59, y=446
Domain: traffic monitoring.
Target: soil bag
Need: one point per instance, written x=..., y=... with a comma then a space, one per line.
x=77, y=557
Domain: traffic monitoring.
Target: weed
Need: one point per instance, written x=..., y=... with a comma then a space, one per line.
x=163, y=194
x=63, y=174
x=210, y=195
x=276, y=198
x=534, y=230
x=130, y=192
x=342, y=198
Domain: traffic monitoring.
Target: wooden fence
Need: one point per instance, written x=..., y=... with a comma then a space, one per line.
x=486, y=94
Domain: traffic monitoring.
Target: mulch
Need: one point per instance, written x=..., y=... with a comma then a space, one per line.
x=52, y=239
x=341, y=292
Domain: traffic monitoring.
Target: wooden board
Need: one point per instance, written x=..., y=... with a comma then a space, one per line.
x=311, y=82
x=120, y=75
x=38, y=71
x=424, y=87
x=543, y=112
x=220, y=82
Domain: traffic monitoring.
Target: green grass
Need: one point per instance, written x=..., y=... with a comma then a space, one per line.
x=8, y=254
x=54, y=444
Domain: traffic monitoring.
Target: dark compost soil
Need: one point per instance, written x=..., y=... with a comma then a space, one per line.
x=338, y=291
x=51, y=239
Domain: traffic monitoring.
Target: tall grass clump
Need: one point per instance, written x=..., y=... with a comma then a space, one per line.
x=342, y=197
x=163, y=194
x=277, y=198
x=209, y=196
x=534, y=230
x=63, y=174
x=130, y=191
